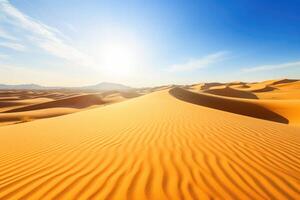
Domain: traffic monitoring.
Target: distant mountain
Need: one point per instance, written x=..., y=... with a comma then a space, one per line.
x=22, y=87
x=104, y=86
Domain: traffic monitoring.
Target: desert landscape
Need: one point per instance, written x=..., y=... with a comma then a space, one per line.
x=204, y=141
x=149, y=100
x=23, y=105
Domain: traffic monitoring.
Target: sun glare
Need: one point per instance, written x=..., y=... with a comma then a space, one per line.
x=119, y=59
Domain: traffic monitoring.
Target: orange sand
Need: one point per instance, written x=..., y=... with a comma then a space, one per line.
x=156, y=146
x=24, y=106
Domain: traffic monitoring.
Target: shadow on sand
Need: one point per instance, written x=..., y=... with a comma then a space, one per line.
x=230, y=105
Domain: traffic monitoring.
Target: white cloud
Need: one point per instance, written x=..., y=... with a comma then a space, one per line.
x=45, y=37
x=199, y=63
x=14, y=46
x=271, y=67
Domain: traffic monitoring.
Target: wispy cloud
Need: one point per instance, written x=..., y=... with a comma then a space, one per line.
x=43, y=36
x=71, y=27
x=199, y=63
x=3, y=56
x=14, y=46
x=271, y=67
x=5, y=35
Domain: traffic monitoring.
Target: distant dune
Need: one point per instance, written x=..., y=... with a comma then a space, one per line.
x=237, y=106
x=27, y=116
x=289, y=85
x=173, y=143
x=230, y=92
x=81, y=101
x=23, y=106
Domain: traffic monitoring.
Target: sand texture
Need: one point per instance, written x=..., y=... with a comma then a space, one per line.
x=25, y=106
x=170, y=144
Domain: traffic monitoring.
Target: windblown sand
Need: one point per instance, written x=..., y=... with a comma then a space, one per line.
x=163, y=145
x=24, y=106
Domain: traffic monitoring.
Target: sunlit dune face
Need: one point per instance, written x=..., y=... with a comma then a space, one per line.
x=119, y=59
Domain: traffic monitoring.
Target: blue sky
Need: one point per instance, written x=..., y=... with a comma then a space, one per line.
x=144, y=43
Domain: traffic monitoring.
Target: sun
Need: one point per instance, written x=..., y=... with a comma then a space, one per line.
x=119, y=59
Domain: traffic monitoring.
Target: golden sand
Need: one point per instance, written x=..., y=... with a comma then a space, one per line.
x=163, y=145
x=24, y=106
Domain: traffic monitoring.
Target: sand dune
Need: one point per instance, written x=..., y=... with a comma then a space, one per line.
x=26, y=116
x=207, y=86
x=25, y=110
x=287, y=90
x=151, y=147
x=10, y=103
x=243, y=86
x=279, y=95
x=271, y=89
x=236, y=83
x=263, y=89
x=284, y=110
x=281, y=81
x=257, y=87
x=289, y=85
x=22, y=106
x=196, y=87
x=288, y=109
x=237, y=106
x=81, y=101
x=57, y=95
x=14, y=102
x=230, y=92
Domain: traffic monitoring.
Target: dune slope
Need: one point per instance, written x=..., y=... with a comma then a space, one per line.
x=248, y=108
x=230, y=92
x=151, y=147
x=81, y=101
x=20, y=117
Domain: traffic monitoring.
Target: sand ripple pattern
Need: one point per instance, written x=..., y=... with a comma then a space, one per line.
x=151, y=147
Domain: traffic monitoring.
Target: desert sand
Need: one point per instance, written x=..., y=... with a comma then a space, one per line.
x=24, y=106
x=204, y=141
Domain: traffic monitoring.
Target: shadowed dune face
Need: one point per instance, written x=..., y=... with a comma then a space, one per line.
x=264, y=89
x=82, y=101
x=283, y=81
x=229, y=105
x=238, y=83
x=288, y=86
x=129, y=94
x=10, y=103
x=26, y=116
x=284, y=89
x=272, y=89
x=207, y=86
x=18, y=106
x=230, y=92
x=25, y=94
x=8, y=98
x=243, y=86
